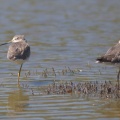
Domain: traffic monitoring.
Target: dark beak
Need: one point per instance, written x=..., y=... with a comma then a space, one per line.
x=6, y=43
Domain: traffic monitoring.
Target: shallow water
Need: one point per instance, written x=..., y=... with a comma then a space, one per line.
x=62, y=34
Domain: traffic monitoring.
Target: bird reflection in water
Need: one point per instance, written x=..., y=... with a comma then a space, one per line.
x=17, y=101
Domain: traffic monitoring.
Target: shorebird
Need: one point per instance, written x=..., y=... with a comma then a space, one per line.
x=112, y=56
x=18, y=51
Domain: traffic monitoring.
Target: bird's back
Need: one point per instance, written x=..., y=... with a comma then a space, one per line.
x=18, y=51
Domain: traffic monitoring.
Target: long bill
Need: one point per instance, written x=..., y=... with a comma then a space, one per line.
x=6, y=43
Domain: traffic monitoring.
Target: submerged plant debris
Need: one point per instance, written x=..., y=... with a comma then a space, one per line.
x=52, y=72
x=87, y=88
x=105, y=89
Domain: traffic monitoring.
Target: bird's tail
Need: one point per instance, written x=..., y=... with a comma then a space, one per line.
x=100, y=60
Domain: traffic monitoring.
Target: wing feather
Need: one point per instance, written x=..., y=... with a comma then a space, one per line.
x=18, y=50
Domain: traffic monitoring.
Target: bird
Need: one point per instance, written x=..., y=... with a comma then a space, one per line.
x=112, y=56
x=18, y=51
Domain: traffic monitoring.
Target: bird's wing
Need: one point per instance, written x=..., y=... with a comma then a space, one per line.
x=18, y=51
x=116, y=58
x=113, y=50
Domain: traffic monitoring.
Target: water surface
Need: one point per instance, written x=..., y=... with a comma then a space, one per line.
x=62, y=34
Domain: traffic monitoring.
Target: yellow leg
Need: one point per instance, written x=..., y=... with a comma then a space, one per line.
x=19, y=73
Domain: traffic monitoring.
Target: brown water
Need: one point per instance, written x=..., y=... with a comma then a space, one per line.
x=62, y=34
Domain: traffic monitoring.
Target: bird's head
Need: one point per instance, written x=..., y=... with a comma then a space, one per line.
x=18, y=38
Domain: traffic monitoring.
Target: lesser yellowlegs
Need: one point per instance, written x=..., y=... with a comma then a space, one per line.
x=112, y=56
x=18, y=51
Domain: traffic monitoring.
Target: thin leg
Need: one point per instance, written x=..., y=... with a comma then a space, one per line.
x=19, y=73
x=118, y=77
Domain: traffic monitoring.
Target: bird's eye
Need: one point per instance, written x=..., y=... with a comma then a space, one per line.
x=17, y=38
